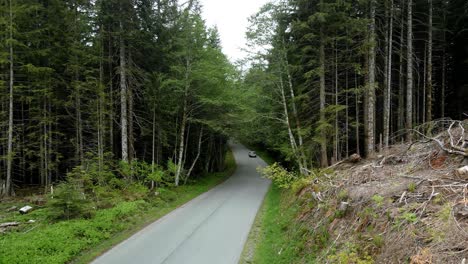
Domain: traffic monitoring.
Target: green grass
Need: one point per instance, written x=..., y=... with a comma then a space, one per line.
x=81, y=240
x=273, y=243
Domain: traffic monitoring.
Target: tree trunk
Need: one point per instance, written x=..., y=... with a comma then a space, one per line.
x=46, y=150
x=347, y=112
x=370, y=129
x=131, y=135
x=444, y=63
x=184, y=123
x=337, y=136
x=295, y=114
x=8, y=184
x=388, y=74
x=123, y=99
x=79, y=123
x=429, y=67
x=101, y=100
x=357, y=100
x=444, y=69
x=323, y=133
x=200, y=137
x=409, y=83
x=401, y=91
x=111, y=97
x=153, y=144
x=287, y=122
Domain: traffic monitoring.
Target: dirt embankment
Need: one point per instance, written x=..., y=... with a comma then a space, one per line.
x=408, y=205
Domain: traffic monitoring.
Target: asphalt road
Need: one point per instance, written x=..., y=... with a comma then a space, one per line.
x=211, y=229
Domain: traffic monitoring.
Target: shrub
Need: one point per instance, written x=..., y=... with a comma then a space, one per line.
x=136, y=191
x=167, y=195
x=412, y=187
x=350, y=254
x=279, y=175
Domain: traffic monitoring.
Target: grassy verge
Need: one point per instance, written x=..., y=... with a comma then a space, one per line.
x=270, y=236
x=81, y=240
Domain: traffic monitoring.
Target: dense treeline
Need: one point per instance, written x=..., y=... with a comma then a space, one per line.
x=86, y=83
x=339, y=77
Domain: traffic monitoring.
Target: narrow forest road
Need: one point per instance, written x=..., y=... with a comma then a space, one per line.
x=211, y=229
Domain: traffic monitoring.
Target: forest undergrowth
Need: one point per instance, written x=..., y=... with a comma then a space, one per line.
x=75, y=225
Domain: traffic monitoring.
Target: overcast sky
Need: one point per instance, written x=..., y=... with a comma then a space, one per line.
x=231, y=18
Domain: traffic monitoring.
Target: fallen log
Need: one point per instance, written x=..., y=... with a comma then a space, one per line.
x=9, y=224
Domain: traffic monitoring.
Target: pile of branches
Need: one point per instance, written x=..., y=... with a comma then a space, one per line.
x=453, y=140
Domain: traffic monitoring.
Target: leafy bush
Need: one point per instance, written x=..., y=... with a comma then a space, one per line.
x=279, y=175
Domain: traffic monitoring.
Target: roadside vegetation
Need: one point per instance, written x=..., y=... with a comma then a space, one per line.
x=406, y=206
x=81, y=220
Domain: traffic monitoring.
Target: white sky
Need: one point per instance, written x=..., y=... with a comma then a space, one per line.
x=231, y=18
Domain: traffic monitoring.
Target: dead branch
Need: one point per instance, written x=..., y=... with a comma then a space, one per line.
x=456, y=151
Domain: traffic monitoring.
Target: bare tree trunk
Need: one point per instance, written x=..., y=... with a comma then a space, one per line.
x=388, y=74
x=287, y=122
x=153, y=144
x=131, y=136
x=183, y=124
x=370, y=129
x=358, y=124
x=101, y=95
x=409, y=84
x=79, y=125
x=323, y=134
x=123, y=99
x=444, y=69
x=187, y=138
x=200, y=137
x=429, y=67
x=295, y=112
x=424, y=97
x=401, y=91
x=111, y=97
x=46, y=150
x=8, y=184
x=444, y=63
x=347, y=111
x=337, y=136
